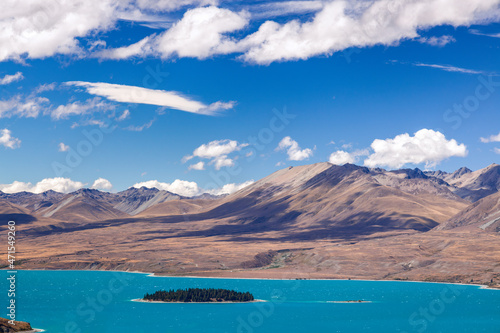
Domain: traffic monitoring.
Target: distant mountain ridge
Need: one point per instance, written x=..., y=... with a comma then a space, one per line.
x=347, y=196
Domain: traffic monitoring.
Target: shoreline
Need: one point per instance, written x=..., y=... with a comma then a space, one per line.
x=140, y=300
x=152, y=274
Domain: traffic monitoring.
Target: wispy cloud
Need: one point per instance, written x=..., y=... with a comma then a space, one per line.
x=479, y=33
x=437, y=41
x=139, y=95
x=140, y=128
x=453, y=69
x=283, y=8
x=11, y=78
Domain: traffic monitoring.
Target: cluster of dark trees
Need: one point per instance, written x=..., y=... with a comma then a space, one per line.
x=199, y=295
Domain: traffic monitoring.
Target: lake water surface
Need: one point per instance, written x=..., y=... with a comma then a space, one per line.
x=95, y=302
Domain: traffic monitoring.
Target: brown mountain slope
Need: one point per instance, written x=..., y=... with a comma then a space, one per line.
x=177, y=207
x=9, y=211
x=135, y=200
x=483, y=214
x=314, y=202
x=324, y=196
x=82, y=206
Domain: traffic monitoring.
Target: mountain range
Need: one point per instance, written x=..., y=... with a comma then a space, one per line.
x=293, y=221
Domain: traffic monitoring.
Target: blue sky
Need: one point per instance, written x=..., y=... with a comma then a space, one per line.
x=195, y=95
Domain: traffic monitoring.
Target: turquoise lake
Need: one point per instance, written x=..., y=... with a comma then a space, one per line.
x=94, y=302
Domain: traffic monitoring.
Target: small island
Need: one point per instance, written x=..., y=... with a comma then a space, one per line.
x=198, y=295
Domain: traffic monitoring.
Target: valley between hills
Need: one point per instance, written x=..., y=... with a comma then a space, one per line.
x=319, y=221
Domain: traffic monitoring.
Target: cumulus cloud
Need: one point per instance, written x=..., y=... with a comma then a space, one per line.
x=341, y=157
x=7, y=140
x=63, y=147
x=191, y=189
x=491, y=138
x=230, y=188
x=197, y=166
x=425, y=146
x=181, y=187
x=63, y=185
x=437, y=41
x=102, y=184
x=293, y=149
x=217, y=152
x=139, y=95
x=199, y=34
x=343, y=24
x=11, y=78
x=39, y=28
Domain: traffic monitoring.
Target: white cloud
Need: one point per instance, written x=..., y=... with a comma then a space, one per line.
x=191, y=189
x=491, y=138
x=344, y=24
x=217, y=152
x=64, y=185
x=197, y=166
x=437, y=41
x=7, y=140
x=283, y=8
x=63, y=147
x=44, y=87
x=139, y=95
x=341, y=157
x=426, y=146
x=171, y=5
x=123, y=116
x=11, y=78
x=181, y=187
x=452, y=69
x=479, y=33
x=140, y=128
x=40, y=28
x=142, y=48
x=102, y=184
x=496, y=150
x=79, y=108
x=231, y=188
x=199, y=34
x=293, y=149
x=29, y=107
